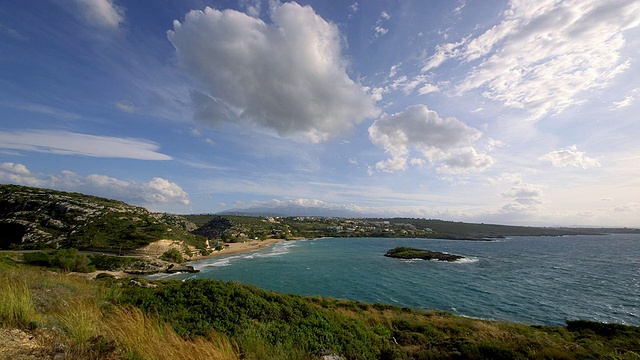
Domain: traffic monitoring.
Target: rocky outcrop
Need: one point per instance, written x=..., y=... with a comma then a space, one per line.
x=176, y=268
x=34, y=218
x=156, y=267
x=403, y=252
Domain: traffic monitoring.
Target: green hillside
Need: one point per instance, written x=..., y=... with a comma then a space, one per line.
x=34, y=218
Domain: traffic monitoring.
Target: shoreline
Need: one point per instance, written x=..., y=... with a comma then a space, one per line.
x=237, y=248
x=234, y=248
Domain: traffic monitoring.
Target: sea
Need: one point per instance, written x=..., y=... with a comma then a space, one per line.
x=531, y=280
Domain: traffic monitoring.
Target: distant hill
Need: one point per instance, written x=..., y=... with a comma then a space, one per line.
x=34, y=218
x=244, y=226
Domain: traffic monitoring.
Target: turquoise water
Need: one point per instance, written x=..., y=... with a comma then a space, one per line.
x=535, y=280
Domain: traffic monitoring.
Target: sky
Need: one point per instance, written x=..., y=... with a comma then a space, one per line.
x=510, y=112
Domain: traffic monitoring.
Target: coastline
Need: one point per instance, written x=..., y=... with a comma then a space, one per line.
x=163, y=245
x=236, y=248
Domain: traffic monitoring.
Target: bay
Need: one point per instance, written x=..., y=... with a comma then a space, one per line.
x=533, y=280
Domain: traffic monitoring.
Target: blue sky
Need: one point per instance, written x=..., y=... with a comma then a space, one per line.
x=520, y=112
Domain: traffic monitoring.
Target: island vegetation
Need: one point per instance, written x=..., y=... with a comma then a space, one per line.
x=403, y=252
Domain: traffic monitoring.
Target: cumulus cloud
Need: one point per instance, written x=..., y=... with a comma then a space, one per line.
x=445, y=142
x=544, y=55
x=570, y=157
x=13, y=173
x=103, y=13
x=462, y=160
x=68, y=143
x=155, y=192
x=288, y=75
x=524, y=197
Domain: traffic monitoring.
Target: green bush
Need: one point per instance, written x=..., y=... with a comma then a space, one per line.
x=173, y=255
x=261, y=322
x=65, y=259
x=109, y=262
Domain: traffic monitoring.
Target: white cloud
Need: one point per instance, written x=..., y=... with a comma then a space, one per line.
x=156, y=192
x=102, y=13
x=47, y=110
x=289, y=76
x=461, y=5
x=68, y=143
x=446, y=142
x=353, y=9
x=428, y=88
x=628, y=100
x=524, y=198
x=395, y=163
x=160, y=190
x=393, y=70
x=570, y=157
x=462, y=160
x=126, y=106
x=252, y=7
x=379, y=30
x=13, y=173
x=545, y=55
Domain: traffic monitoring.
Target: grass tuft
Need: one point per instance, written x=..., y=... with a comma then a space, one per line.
x=17, y=307
x=82, y=320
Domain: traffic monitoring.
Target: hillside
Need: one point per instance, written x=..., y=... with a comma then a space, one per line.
x=34, y=218
x=236, y=227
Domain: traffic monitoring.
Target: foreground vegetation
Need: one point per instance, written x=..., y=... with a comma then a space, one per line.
x=123, y=319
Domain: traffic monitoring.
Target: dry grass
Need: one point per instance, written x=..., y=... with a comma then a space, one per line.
x=144, y=337
x=82, y=320
x=17, y=307
x=91, y=327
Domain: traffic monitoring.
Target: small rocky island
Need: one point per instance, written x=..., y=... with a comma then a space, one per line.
x=403, y=252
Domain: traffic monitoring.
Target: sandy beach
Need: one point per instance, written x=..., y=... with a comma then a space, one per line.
x=235, y=248
x=156, y=248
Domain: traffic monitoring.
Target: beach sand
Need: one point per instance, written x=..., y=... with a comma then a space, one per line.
x=156, y=248
x=235, y=248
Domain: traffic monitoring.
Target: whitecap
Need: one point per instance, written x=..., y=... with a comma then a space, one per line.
x=466, y=260
x=219, y=263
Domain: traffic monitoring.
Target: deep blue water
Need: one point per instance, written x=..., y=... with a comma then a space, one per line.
x=535, y=280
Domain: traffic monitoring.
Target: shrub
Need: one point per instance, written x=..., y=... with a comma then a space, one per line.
x=173, y=255
x=37, y=258
x=65, y=259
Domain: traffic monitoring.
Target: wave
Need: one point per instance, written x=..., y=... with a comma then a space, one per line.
x=220, y=263
x=278, y=249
